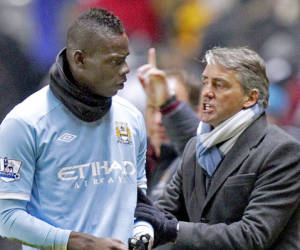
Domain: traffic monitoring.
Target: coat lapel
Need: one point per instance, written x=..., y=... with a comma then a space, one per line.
x=239, y=152
x=197, y=196
x=199, y=187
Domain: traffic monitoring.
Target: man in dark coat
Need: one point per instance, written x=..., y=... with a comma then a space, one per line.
x=238, y=184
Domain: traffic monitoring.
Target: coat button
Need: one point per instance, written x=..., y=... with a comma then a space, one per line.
x=204, y=220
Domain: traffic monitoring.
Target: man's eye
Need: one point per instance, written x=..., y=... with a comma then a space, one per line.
x=117, y=61
x=219, y=84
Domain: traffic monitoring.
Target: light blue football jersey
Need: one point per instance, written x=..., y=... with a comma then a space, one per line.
x=75, y=175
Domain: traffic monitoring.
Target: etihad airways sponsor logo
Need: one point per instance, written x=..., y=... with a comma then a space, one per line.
x=97, y=173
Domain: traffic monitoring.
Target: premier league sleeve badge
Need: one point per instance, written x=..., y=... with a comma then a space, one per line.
x=9, y=169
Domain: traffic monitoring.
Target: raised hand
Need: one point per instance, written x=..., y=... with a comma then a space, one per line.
x=154, y=81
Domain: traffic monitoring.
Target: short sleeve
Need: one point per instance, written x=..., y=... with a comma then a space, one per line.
x=141, y=155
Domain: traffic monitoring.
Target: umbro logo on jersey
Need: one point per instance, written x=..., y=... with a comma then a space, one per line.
x=66, y=137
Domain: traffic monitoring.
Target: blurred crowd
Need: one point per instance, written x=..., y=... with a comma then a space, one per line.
x=33, y=31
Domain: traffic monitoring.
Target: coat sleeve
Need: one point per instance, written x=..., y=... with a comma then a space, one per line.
x=172, y=199
x=169, y=202
x=181, y=125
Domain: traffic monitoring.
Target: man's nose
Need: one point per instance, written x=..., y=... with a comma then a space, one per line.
x=125, y=69
x=207, y=91
x=158, y=117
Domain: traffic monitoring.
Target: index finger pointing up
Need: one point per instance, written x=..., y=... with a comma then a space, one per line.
x=152, y=57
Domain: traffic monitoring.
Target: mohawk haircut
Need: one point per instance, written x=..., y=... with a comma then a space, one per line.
x=102, y=18
x=84, y=28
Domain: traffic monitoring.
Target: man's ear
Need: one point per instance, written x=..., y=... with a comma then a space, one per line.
x=251, y=98
x=79, y=58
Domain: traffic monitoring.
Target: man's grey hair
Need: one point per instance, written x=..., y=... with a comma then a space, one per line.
x=249, y=66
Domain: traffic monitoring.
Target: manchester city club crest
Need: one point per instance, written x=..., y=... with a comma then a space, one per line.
x=123, y=133
x=9, y=169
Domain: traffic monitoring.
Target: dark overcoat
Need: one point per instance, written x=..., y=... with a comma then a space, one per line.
x=253, y=199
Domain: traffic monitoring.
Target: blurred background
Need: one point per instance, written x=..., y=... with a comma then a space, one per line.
x=32, y=32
